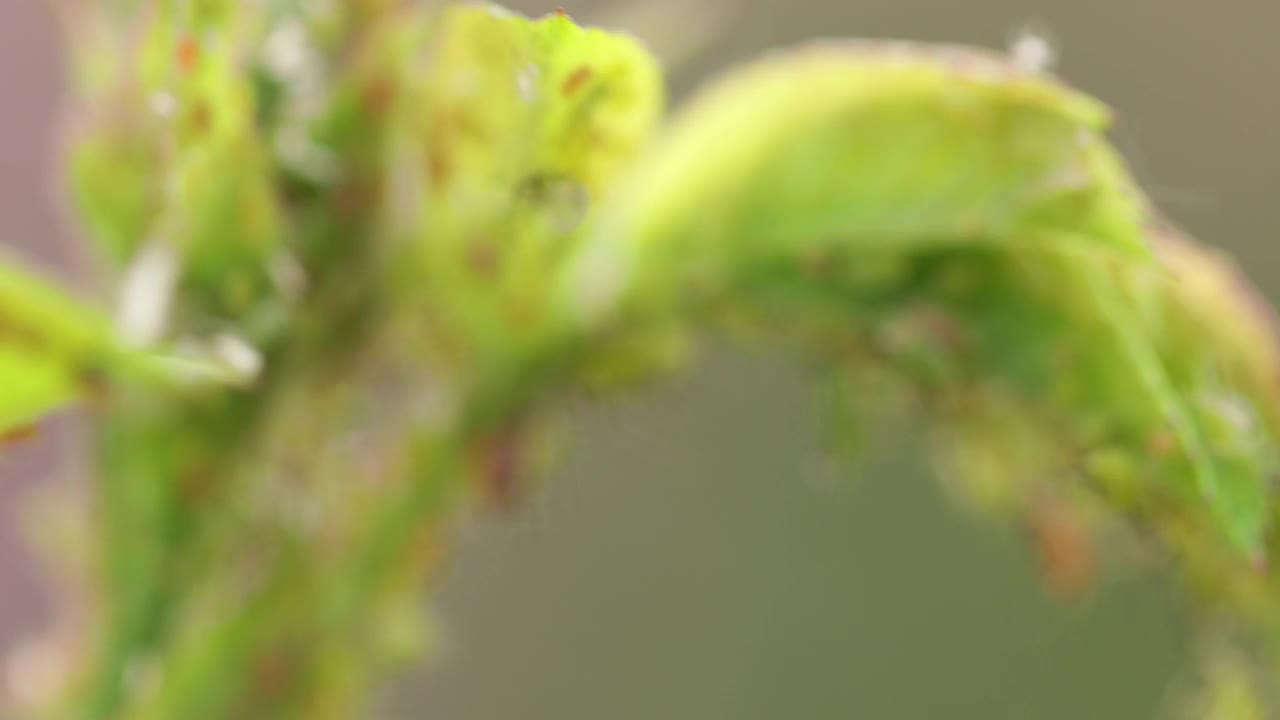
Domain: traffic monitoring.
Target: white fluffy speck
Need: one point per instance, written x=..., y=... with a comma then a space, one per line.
x=1032, y=51
x=35, y=671
x=241, y=357
x=295, y=149
x=289, y=276
x=527, y=83
x=147, y=292
x=286, y=52
x=162, y=103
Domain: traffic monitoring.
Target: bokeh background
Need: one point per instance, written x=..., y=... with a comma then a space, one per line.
x=696, y=555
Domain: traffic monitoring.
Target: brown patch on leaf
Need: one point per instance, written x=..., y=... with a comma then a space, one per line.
x=377, y=96
x=499, y=461
x=274, y=671
x=576, y=80
x=95, y=387
x=22, y=433
x=1162, y=444
x=438, y=167
x=482, y=256
x=200, y=118
x=1067, y=557
x=187, y=54
x=354, y=198
x=817, y=263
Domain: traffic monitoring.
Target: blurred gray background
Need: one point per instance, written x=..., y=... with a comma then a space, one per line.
x=696, y=557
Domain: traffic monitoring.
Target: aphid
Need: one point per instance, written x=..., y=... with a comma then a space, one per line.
x=576, y=80
x=273, y=672
x=1065, y=550
x=564, y=200
x=188, y=54
x=500, y=469
x=19, y=434
x=483, y=257
x=378, y=95
x=1162, y=444
x=1031, y=51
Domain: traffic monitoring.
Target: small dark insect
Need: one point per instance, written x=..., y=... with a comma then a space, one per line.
x=483, y=256
x=19, y=434
x=274, y=671
x=1162, y=444
x=1065, y=550
x=564, y=199
x=188, y=54
x=576, y=80
x=500, y=471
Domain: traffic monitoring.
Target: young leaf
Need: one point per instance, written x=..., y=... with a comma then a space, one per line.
x=1020, y=266
x=511, y=99
x=49, y=345
x=860, y=147
x=508, y=138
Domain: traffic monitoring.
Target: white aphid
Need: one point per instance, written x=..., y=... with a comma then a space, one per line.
x=286, y=53
x=527, y=83
x=1031, y=51
x=162, y=103
x=147, y=292
x=289, y=276
x=242, y=358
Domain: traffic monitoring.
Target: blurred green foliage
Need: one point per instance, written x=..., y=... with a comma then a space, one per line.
x=363, y=250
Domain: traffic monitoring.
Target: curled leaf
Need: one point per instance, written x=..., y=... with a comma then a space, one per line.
x=963, y=222
x=49, y=345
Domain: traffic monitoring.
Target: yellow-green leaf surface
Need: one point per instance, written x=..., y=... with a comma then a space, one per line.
x=966, y=222
x=429, y=218
x=513, y=132
x=48, y=343
x=512, y=98
x=866, y=146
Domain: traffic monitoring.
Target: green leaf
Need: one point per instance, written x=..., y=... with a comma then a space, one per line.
x=32, y=388
x=49, y=345
x=54, y=349
x=511, y=99
x=507, y=137
x=1218, y=328
x=964, y=222
x=860, y=147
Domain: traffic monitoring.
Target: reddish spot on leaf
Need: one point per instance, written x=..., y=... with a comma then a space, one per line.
x=188, y=54
x=817, y=262
x=499, y=469
x=273, y=672
x=200, y=117
x=1066, y=551
x=483, y=257
x=353, y=199
x=562, y=12
x=576, y=80
x=94, y=388
x=19, y=434
x=438, y=166
x=1162, y=444
x=378, y=96
x=195, y=485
